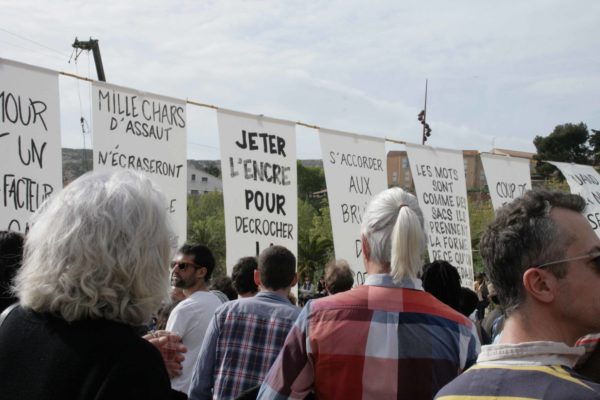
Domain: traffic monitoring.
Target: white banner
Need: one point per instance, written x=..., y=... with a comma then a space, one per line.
x=258, y=160
x=507, y=177
x=355, y=171
x=439, y=176
x=144, y=132
x=31, y=161
x=584, y=181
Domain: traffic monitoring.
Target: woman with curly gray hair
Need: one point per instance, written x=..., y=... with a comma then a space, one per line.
x=95, y=266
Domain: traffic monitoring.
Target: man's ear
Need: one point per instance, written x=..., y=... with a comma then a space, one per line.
x=257, y=278
x=540, y=284
x=366, y=250
x=201, y=272
x=294, y=281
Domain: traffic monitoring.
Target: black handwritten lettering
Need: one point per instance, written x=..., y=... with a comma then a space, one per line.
x=273, y=202
x=423, y=170
x=33, y=153
x=12, y=110
x=446, y=173
x=154, y=166
x=264, y=227
x=23, y=193
x=358, y=161
x=271, y=144
x=360, y=185
x=351, y=213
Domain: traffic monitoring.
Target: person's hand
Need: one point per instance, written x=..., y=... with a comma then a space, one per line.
x=171, y=348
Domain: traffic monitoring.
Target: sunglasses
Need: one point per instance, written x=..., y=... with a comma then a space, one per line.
x=183, y=265
x=594, y=257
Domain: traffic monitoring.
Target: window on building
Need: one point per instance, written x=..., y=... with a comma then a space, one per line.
x=405, y=162
x=407, y=176
x=195, y=192
x=193, y=177
x=482, y=180
x=394, y=177
x=204, y=179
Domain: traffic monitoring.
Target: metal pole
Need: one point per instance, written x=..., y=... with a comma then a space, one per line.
x=424, y=114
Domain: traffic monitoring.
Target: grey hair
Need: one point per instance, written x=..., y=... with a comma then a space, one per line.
x=99, y=249
x=393, y=227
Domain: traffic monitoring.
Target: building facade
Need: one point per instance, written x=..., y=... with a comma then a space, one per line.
x=398, y=168
x=200, y=182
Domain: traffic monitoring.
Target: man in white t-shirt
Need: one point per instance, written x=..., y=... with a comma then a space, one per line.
x=191, y=272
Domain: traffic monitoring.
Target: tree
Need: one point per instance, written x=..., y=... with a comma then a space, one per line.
x=567, y=143
x=206, y=225
x=315, y=239
x=310, y=180
x=595, y=144
x=213, y=170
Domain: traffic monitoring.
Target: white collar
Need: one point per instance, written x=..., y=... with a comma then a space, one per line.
x=530, y=353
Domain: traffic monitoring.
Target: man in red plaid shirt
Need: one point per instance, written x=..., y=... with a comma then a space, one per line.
x=386, y=339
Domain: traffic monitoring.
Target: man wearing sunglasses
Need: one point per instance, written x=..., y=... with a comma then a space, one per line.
x=191, y=271
x=543, y=258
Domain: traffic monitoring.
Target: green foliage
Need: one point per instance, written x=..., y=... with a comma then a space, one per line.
x=206, y=225
x=595, y=145
x=315, y=238
x=213, y=170
x=567, y=143
x=310, y=180
x=481, y=213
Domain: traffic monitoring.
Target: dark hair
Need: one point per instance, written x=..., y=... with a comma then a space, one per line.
x=468, y=301
x=523, y=235
x=277, y=267
x=243, y=275
x=202, y=257
x=224, y=284
x=442, y=280
x=11, y=256
x=338, y=276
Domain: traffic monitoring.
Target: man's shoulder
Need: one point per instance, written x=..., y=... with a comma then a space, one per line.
x=372, y=299
x=263, y=304
x=523, y=381
x=197, y=300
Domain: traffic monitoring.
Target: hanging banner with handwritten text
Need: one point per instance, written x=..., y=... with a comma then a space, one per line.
x=144, y=132
x=439, y=176
x=31, y=160
x=584, y=181
x=355, y=171
x=258, y=164
x=507, y=177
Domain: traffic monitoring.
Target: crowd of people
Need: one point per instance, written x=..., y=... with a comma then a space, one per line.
x=96, y=306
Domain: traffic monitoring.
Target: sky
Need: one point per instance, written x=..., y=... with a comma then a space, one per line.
x=499, y=73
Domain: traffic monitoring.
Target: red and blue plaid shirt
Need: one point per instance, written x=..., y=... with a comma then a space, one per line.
x=241, y=343
x=380, y=340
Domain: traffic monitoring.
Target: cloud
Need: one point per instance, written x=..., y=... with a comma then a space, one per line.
x=508, y=70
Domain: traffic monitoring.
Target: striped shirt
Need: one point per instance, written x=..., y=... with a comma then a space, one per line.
x=379, y=340
x=501, y=381
x=529, y=370
x=241, y=343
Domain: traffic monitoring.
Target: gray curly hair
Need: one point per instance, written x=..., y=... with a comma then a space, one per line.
x=99, y=249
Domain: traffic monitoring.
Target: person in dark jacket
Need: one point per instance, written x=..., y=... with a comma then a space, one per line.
x=11, y=254
x=95, y=267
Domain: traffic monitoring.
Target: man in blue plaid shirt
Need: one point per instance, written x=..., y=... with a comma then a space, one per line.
x=246, y=335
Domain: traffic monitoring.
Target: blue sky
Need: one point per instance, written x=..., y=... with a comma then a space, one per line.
x=499, y=73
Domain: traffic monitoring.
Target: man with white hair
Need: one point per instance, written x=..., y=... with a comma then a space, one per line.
x=385, y=339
